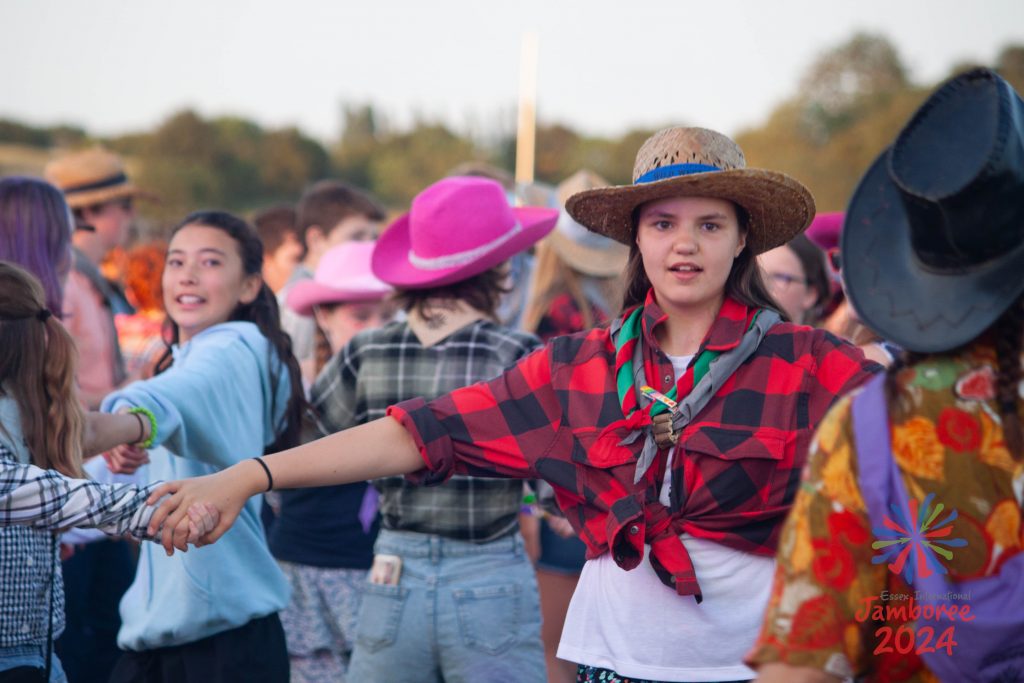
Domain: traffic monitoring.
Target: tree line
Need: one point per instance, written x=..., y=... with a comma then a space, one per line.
x=850, y=103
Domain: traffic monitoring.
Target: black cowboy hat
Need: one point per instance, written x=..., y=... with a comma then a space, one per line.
x=933, y=245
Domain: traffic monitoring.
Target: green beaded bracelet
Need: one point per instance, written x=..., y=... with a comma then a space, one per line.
x=139, y=410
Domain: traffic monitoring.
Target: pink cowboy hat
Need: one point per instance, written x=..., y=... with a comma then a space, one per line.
x=825, y=229
x=343, y=275
x=457, y=228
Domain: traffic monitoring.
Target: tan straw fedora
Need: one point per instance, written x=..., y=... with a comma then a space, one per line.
x=697, y=162
x=583, y=250
x=91, y=176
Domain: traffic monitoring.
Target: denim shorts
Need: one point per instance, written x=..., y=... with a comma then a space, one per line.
x=460, y=612
x=31, y=655
x=560, y=555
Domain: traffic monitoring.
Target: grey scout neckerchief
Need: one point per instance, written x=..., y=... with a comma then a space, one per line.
x=720, y=369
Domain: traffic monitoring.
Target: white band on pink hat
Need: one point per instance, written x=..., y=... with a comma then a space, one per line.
x=461, y=258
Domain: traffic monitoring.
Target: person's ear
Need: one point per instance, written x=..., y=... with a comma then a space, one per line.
x=740, y=245
x=810, y=299
x=315, y=238
x=251, y=286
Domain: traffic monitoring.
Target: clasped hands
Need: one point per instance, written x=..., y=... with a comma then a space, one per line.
x=192, y=527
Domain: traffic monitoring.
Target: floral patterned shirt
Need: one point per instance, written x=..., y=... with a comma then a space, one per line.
x=831, y=608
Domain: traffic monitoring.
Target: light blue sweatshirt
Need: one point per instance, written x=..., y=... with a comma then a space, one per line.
x=213, y=408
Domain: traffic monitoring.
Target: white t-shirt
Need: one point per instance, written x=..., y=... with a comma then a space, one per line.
x=631, y=623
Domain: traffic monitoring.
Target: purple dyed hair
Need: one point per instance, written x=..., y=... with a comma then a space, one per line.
x=35, y=233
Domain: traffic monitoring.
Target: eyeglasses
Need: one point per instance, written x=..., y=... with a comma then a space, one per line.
x=785, y=280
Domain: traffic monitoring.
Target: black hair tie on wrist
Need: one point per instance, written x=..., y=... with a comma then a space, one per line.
x=270, y=478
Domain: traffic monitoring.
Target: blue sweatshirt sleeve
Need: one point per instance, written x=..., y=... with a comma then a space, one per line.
x=207, y=402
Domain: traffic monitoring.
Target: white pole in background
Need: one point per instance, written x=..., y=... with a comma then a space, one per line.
x=526, y=129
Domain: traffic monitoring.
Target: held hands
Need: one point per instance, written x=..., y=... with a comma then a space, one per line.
x=221, y=494
x=200, y=520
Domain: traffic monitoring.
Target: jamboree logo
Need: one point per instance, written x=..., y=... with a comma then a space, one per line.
x=911, y=546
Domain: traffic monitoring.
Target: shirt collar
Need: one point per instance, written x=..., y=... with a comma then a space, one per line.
x=726, y=331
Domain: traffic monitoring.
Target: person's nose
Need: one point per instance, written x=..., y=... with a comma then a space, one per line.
x=685, y=242
x=188, y=275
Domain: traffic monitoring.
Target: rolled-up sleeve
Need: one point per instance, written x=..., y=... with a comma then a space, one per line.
x=497, y=428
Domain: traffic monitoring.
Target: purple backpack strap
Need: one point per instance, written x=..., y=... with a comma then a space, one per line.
x=874, y=452
x=988, y=647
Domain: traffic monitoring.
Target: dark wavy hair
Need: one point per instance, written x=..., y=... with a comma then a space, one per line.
x=745, y=283
x=264, y=313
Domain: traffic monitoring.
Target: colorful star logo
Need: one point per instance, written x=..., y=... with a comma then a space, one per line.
x=913, y=546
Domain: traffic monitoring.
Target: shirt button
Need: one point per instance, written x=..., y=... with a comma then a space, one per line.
x=29, y=561
x=618, y=557
x=668, y=379
x=672, y=579
x=634, y=530
x=25, y=628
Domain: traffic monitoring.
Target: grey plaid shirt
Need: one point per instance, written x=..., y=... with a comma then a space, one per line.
x=379, y=368
x=39, y=501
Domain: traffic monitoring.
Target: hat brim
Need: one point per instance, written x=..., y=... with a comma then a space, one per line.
x=779, y=206
x=79, y=200
x=898, y=296
x=391, y=262
x=593, y=262
x=306, y=294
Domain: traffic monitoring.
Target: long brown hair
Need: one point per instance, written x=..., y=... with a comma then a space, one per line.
x=745, y=283
x=552, y=276
x=37, y=370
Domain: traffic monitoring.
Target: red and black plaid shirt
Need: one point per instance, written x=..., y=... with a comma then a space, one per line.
x=737, y=466
x=565, y=317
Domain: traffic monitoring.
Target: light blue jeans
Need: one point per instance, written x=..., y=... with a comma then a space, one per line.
x=461, y=612
x=31, y=655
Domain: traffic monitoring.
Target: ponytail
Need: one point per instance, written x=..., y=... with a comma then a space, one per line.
x=37, y=370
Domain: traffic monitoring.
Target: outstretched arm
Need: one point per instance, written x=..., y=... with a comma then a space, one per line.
x=104, y=431
x=32, y=496
x=486, y=429
x=376, y=449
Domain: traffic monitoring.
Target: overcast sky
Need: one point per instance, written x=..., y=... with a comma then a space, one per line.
x=604, y=66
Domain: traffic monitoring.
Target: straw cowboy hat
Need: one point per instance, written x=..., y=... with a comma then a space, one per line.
x=92, y=176
x=583, y=250
x=456, y=228
x=933, y=244
x=697, y=162
x=342, y=276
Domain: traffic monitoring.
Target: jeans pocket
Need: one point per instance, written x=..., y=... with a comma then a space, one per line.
x=489, y=617
x=380, y=614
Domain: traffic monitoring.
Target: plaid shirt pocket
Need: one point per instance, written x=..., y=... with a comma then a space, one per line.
x=731, y=470
x=593, y=449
